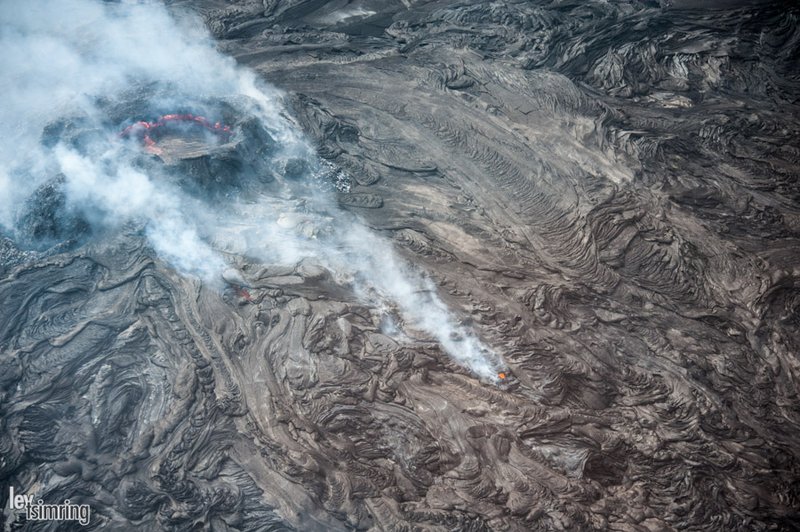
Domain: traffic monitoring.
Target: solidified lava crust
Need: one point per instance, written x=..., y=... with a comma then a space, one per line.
x=605, y=192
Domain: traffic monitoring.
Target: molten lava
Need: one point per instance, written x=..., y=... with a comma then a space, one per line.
x=244, y=293
x=146, y=130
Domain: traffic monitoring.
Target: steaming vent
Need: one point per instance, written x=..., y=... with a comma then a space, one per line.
x=218, y=145
x=208, y=149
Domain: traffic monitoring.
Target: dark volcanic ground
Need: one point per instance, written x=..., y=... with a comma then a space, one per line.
x=606, y=192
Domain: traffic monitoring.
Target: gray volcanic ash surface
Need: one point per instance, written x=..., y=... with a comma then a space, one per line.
x=300, y=324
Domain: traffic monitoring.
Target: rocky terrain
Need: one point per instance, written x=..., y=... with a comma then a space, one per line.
x=605, y=193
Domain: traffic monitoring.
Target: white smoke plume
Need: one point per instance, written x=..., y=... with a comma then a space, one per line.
x=78, y=58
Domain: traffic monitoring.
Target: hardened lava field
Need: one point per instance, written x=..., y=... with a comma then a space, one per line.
x=597, y=199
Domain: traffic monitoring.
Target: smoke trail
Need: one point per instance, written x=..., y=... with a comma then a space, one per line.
x=418, y=302
x=81, y=71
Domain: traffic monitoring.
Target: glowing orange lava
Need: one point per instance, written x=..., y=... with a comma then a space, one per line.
x=144, y=129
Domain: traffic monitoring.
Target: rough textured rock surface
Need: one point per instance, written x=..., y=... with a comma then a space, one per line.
x=607, y=192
